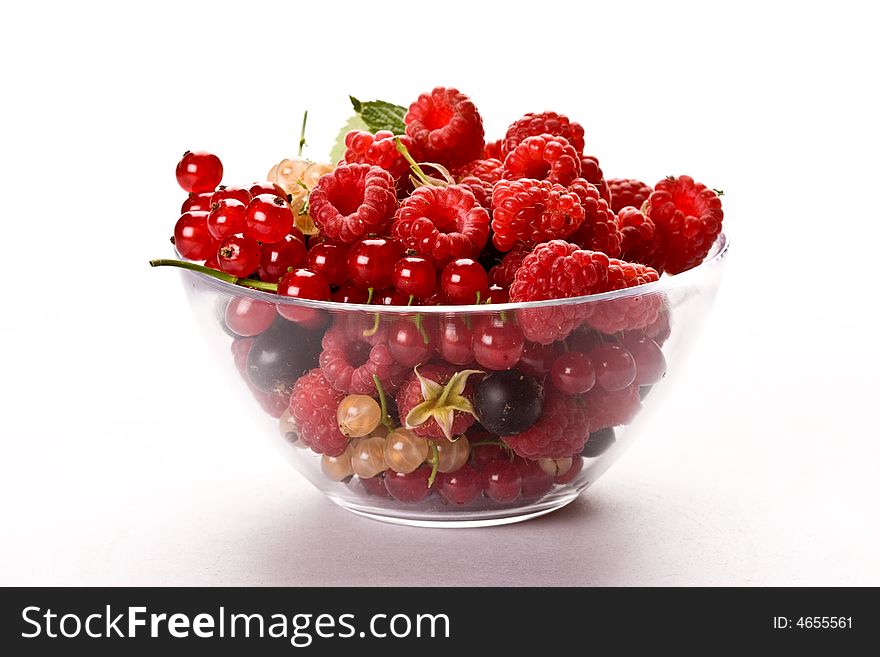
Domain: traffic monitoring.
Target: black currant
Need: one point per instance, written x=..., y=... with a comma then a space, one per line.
x=508, y=402
x=281, y=354
x=598, y=442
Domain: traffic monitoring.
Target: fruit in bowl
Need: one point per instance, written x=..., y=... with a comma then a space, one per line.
x=447, y=331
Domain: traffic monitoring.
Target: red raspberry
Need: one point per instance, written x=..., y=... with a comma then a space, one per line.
x=492, y=150
x=313, y=404
x=488, y=170
x=353, y=200
x=546, y=123
x=350, y=360
x=627, y=192
x=598, y=232
x=381, y=151
x=410, y=395
x=503, y=273
x=688, y=215
x=591, y=172
x=481, y=190
x=557, y=270
x=442, y=223
x=534, y=211
x=543, y=157
x=446, y=126
x=561, y=431
x=629, y=313
x=610, y=409
x=640, y=240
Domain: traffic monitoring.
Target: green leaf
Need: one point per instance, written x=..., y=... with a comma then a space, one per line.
x=354, y=123
x=380, y=115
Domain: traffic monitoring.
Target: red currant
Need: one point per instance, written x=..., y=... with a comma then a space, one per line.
x=535, y=482
x=239, y=256
x=577, y=464
x=464, y=282
x=269, y=218
x=390, y=297
x=227, y=191
x=227, y=218
x=501, y=481
x=274, y=402
x=199, y=172
x=412, y=341
x=374, y=486
x=649, y=359
x=192, y=239
x=498, y=343
x=267, y=187
x=240, y=350
x=483, y=455
x=371, y=261
x=537, y=358
x=408, y=487
x=573, y=373
x=499, y=294
x=615, y=367
x=330, y=260
x=195, y=202
x=460, y=487
x=277, y=258
x=456, y=340
x=211, y=262
x=303, y=284
x=414, y=276
x=350, y=293
x=248, y=317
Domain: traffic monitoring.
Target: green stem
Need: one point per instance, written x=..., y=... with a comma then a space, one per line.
x=482, y=443
x=213, y=273
x=373, y=329
x=369, y=295
x=424, y=178
x=383, y=404
x=435, y=462
x=302, y=134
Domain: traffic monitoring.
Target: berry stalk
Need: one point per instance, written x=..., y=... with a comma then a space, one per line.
x=213, y=273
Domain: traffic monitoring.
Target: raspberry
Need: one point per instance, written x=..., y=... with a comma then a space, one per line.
x=350, y=360
x=628, y=313
x=446, y=126
x=492, y=150
x=609, y=409
x=562, y=430
x=533, y=211
x=556, y=270
x=410, y=395
x=627, y=192
x=481, y=190
x=591, y=172
x=640, y=240
x=598, y=232
x=503, y=273
x=488, y=170
x=381, y=151
x=688, y=216
x=546, y=123
x=442, y=223
x=543, y=157
x=313, y=404
x=353, y=200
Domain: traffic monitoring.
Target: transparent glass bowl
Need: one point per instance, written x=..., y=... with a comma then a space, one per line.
x=268, y=365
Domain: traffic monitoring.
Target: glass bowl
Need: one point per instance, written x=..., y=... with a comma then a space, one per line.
x=301, y=360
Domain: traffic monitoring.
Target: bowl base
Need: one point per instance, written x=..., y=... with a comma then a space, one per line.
x=459, y=519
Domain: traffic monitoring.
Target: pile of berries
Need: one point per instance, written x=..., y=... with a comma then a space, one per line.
x=480, y=405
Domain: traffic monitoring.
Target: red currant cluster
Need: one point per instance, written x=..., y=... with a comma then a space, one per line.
x=493, y=404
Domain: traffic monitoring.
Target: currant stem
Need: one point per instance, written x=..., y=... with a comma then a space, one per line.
x=383, y=404
x=213, y=273
x=483, y=443
x=302, y=134
x=369, y=295
x=374, y=328
x=422, y=177
x=435, y=462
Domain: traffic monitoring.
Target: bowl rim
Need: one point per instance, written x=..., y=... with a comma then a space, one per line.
x=716, y=254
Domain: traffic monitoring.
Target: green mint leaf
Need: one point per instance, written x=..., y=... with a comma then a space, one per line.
x=380, y=115
x=354, y=123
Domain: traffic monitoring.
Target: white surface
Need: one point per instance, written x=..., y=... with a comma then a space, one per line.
x=125, y=462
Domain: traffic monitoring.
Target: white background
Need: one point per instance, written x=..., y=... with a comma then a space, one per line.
x=126, y=461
